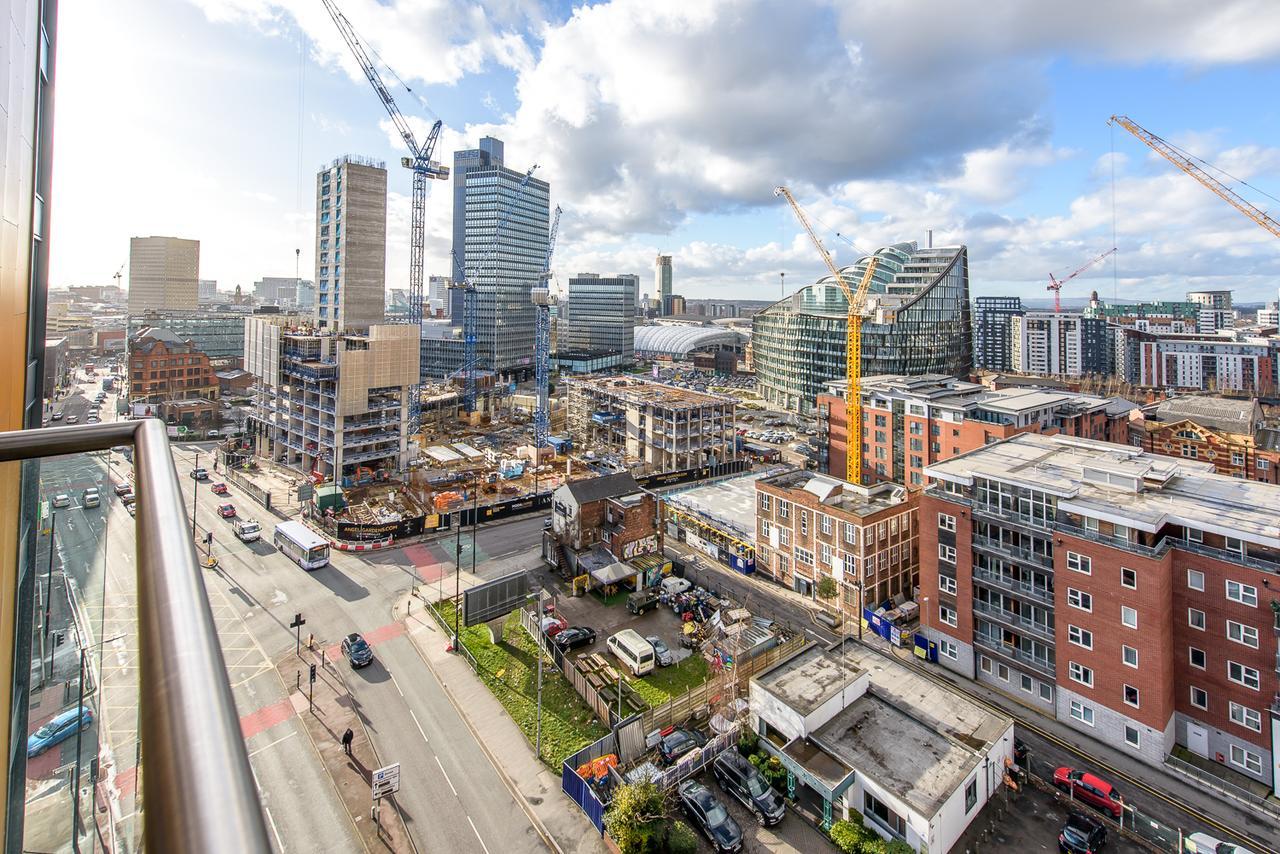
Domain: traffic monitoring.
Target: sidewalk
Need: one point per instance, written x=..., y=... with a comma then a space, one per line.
x=535, y=787
x=333, y=714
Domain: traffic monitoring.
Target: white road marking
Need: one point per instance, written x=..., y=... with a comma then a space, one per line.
x=477, y=833
x=276, y=831
x=272, y=744
x=447, y=780
x=420, y=729
x=395, y=683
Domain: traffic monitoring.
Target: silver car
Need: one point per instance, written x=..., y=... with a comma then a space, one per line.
x=665, y=658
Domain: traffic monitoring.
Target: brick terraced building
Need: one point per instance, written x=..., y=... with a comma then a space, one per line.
x=1229, y=433
x=164, y=367
x=1131, y=596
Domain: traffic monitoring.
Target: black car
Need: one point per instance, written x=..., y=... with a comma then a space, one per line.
x=1082, y=835
x=706, y=811
x=739, y=778
x=357, y=650
x=574, y=637
x=676, y=742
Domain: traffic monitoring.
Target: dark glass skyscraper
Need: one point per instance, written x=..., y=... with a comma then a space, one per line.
x=992, y=323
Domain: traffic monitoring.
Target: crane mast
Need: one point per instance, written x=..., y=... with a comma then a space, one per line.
x=542, y=343
x=857, y=300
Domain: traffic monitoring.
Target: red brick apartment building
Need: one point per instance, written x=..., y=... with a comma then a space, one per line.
x=164, y=367
x=909, y=423
x=865, y=538
x=1132, y=596
x=1226, y=432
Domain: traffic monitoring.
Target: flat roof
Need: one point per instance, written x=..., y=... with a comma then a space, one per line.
x=840, y=494
x=648, y=391
x=729, y=503
x=805, y=681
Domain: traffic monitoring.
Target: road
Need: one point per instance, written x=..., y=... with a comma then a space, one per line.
x=451, y=797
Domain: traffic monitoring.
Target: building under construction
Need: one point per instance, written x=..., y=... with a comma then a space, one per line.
x=646, y=427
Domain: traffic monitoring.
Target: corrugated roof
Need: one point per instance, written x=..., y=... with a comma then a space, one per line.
x=1222, y=413
x=608, y=486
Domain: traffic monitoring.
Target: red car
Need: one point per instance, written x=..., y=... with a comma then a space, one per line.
x=1091, y=789
x=227, y=511
x=218, y=489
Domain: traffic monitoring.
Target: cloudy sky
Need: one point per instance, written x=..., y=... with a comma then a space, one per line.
x=664, y=125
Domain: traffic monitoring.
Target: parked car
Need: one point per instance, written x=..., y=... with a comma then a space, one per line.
x=131, y=509
x=227, y=511
x=1090, y=789
x=1081, y=834
x=574, y=637
x=357, y=650
x=710, y=816
x=91, y=497
x=677, y=741
x=127, y=498
x=1205, y=844
x=61, y=500
x=200, y=473
x=218, y=488
x=58, y=730
x=122, y=488
x=642, y=600
x=673, y=586
x=740, y=779
x=661, y=650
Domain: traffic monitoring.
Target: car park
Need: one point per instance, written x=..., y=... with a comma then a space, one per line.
x=574, y=637
x=1203, y=843
x=1081, y=834
x=63, y=726
x=709, y=815
x=740, y=779
x=675, y=742
x=357, y=650
x=61, y=500
x=661, y=650
x=227, y=511
x=1090, y=789
x=218, y=489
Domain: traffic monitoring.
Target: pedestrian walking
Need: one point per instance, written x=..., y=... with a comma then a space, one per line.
x=346, y=740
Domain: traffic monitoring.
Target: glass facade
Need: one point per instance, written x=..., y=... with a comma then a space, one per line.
x=917, y=322
x=219, y=335
x=992, y=332
x=601, y=315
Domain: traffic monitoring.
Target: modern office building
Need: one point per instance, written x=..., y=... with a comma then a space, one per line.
x=993, y=332
x=207, y=290
x=662, y=283
x=1230, y=433
x=333, y=403
x=164, y=274
x=504, y=266
x=910, y=423
x=1122, y=593
x=217, y=334
x=673, y=305
x=442, y=349
x=917, y=321
x=489, y=155
x=306, y=295
x=600, y=316
x=650, y=427
x=1058, y=343
x=351, y=244
x=280, y=290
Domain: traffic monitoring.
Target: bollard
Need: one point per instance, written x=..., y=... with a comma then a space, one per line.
x=311, y=638
x=298, y=685
x=322, y=661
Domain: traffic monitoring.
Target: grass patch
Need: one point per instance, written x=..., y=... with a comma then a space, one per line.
x=664, y=683
x=510, y=670
x=618, y=597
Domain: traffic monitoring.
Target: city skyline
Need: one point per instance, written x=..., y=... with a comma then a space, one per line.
x=1022, y=173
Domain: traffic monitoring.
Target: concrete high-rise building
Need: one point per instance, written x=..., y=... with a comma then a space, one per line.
x=503, y=278
x=489, y=154
x=1059, y=343
x=437, y=288
x=662, y=282
x=601, y=315
x=164, y=273
x=1215, y=310
x=306, y=295
x=207, y=290
x=351, y=244
x=277, y=290
x=993, y=331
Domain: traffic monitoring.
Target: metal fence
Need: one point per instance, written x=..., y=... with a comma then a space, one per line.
x=1226, y=787
x=696, y=761
x=257, y=493
x=600, y=705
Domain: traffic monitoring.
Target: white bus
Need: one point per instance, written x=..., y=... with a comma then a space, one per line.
x=302, y=545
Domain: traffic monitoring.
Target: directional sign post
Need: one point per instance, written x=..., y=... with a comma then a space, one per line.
x=386, y=781
x=297, y=625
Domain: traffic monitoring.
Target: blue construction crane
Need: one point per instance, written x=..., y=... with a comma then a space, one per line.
x=424, y=169
x=542, y=343
x=470, y=300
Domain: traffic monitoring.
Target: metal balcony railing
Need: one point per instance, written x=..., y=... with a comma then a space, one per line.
x=198, y=787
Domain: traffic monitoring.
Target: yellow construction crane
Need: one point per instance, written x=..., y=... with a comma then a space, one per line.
x=1188, y=165
x=857, y=300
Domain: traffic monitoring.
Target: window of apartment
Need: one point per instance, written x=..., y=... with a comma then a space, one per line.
x=804, y=556
x=1195, y=535
x=1079, y=599
x=1240, y=633
x=784, y=565
x=1199, y=698
x=1129, y=655
x=1128, y=578
x=1080, y=563
x=1046, y=692
x=766, y=502
x=851, y=534
x=1237, y=458
x=917, y=427
x=825, y=522
x=1233, y=544
x=1131, y=696
x=947, y=553
x=880, y=436
x=1079, y=673
x=1246, y=759
x=1263, y=465
x=947, y=584
x=784, y=536
x=984, y=664
x=825, y=551
x=1026, y=683
x=948, y=649
x=1190, y=452
x=880, y=422
x=784, y=509
x=917, y=444
x=1195, y=579
x=1091, y=524
x=1195, y=618
x=916, y=461
x=1196, y=657
x=947, y=614
x=804, y=523
x=1246, y=717
x=1245, y=594
x=1081, y=712
x=1129, y=616
x=1132, y=736
x=1243, y=675
x=882, y=815
x=1080, y=637
x=946, y=523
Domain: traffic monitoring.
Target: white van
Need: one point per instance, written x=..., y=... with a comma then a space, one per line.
x=633, y=651
x=247, y=530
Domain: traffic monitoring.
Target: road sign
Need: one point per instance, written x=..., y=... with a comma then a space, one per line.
x=313, y=673
x=386, y=781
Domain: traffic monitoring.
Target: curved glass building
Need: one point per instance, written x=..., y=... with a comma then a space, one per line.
x=917, y=322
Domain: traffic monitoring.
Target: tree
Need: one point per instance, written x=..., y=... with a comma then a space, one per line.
x=681, y=839
x=827, y=588
x=635, y=817
x=849, y=836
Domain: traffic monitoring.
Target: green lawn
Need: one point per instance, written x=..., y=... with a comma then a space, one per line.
x=664, y=683
x=510, y=670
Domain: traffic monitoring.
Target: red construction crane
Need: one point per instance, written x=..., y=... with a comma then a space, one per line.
x=1055, y=285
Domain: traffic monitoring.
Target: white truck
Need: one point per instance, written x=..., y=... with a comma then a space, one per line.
x=247, y=530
